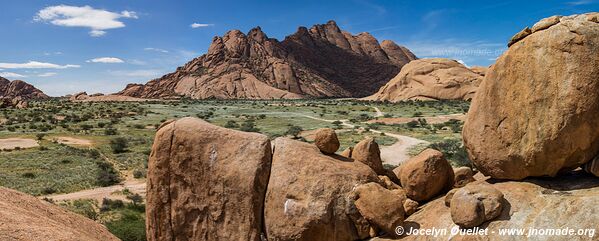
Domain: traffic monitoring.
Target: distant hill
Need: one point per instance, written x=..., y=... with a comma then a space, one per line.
x=19, y=88
x=322, y=61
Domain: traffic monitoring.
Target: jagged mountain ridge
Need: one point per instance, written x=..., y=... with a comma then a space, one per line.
x=322, y=61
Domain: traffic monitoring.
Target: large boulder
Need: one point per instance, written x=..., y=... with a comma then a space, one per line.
x=381, y=207
x=430, y=79
x=326, y=140
x=570, y=201
x=206, y=183
x=535, y=114
x=426, y=175
x=310, y=197
x=475, y=204
x=24, y=217
x=367, y=151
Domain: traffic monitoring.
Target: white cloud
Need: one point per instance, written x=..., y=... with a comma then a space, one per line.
x=156, y=49
x=48, y=74
x=201, y=25
x=580, y=2
x=106, y=60
x=11, y=75
x=36, y=65
x=97, y=20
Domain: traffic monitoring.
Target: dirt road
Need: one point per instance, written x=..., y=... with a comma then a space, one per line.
x=112, y=192
x=394, y=154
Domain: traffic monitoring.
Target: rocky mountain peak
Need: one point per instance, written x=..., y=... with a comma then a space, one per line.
x=321, y=61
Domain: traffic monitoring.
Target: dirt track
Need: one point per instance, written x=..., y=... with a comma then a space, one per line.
x=393, y=154
x=134, y=186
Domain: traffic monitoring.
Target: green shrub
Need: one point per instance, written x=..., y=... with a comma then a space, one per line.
x=130, y=227
x=119, y=145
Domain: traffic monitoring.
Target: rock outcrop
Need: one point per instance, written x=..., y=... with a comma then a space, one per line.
x=431, y=79
x=310, y=197
x=322, y=61
x=206, y=183
x=462, y=176
x=367, y=151
x=568, y=201
x=381, y=207
x=24, y=217
x=425, y=175
x=19, y=89
x=84, y=97
x=535, y=114
x=475, y=204
x=326, y=140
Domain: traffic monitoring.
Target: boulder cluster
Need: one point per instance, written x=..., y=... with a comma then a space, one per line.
x=534, y=114
x=233, y=186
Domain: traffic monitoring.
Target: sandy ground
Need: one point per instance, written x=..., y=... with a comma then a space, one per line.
x=12, y=143
x=430, y=120
x=72, y=141
x=111, y=192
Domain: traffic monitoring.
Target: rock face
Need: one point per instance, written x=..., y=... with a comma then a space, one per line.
x=309, y=195
x=17, y=88
x=431, y=79
x=536, y=112
x=367, y=151
x=25, y=217
x=206, y=183
x=570, y=200
x=592, y=167
x=425, y=175
x=380, y=206
x=462, y=176
x=322, y=61
x=326, y=140
x=475, y=204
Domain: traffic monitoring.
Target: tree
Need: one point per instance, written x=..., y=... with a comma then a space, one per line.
x=119, y=145
x=294, y=131
x=40, y=136
x=231, y=124
x=135, y=198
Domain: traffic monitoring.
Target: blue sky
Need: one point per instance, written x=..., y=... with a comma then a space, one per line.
x=64, y=47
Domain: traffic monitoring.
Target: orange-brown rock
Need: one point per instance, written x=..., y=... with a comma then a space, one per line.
x=430, y=79
x=571, y=200
x=536, y=111
x=410, y=206
x=206, y=183
x=475, y=204
x=462, y=176
x=309, y=195
x=425, y=175
x=24, y=217
x=326, y=140
x=347, y=152
x=18, y=88
x=322, y=61
x=380, y=206
x=367, y=151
